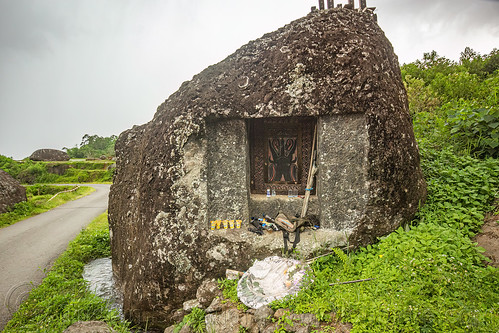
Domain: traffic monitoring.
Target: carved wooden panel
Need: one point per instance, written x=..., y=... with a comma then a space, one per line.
x=280, y=151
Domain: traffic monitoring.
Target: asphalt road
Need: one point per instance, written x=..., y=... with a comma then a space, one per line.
x=29, y=247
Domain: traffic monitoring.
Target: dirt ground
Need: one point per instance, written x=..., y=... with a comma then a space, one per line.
x=488, y=238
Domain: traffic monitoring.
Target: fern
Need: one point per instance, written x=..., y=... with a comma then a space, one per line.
x=343, y=257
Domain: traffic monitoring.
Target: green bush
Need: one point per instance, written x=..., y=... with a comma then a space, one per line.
x=10, y=166
x=426, y=279
x=29, y=172
x=41, y=189
x=476, y=130
x=460, y=189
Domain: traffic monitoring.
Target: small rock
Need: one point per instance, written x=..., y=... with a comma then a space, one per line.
x=11, y=192
x=178, y=315
x=263, y=316
x=263, y=313
x=207, y=291
x=269, y=328
x=248, y=321
x=185, y=329
x=49, y=155
x=306, y=319
x=169, y=329
x=89, y=327
x=226, y=322
x=215, y=306
x=280, y=312
x=189, y=305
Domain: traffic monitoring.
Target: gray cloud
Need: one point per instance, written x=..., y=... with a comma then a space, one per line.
x=447, y=26
x=68, y=68
x=29, y=26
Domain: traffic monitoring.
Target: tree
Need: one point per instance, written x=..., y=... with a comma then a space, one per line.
x=93, y=146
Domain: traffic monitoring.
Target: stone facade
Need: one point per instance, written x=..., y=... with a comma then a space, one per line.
x=191, y=163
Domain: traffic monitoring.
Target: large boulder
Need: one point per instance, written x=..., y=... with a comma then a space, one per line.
x=198, y=158
x=11, y=192
x=49, y=155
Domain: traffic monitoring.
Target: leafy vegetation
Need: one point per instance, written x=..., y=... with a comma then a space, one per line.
x=229, y=291
x=93, y=146
x=456, y=104
x=429, y=276
x=29, y=172
x=38, y=201
x=194, y=320
x=63, y=297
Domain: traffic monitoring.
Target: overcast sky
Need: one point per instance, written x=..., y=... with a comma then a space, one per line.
x=75, y=67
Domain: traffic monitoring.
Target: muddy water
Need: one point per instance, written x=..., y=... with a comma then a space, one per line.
x=99, y=274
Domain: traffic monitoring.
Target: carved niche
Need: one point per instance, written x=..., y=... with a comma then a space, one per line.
x=280, y=151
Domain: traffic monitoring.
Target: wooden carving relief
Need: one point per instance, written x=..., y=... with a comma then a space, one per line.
x=280, y=151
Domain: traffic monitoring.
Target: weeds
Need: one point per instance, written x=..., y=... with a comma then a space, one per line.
x=229, y=291
x=63, y=297
x=194, y=320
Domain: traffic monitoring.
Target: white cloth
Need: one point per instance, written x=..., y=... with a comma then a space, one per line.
x=270, y=279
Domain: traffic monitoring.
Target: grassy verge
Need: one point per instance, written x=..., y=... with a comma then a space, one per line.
x=429, y=277
x=63, y=298
x=38, y=201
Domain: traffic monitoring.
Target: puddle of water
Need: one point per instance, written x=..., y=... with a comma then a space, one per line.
x=99, y=274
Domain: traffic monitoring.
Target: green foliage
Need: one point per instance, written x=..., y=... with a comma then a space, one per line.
x=342, y=256
x=460, y=189
x=284, y=322
x=10, y=166
x=229, y=291
x=455, y=105
x=194, y=320
x=477, y=130
x=426, y=279
x=29, y=172
x=37, y=203
x=43, y=189
x=93, y=146
x=423, y=98
x=429, y=277
x=63, y=297
x=32, y=172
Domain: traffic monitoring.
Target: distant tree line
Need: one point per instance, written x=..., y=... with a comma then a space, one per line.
x=93, y=146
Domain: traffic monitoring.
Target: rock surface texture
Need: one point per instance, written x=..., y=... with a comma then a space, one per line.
x=49, y=155
x=11, y=192
x=89, y=327
x=228, y=318
x=190, y=163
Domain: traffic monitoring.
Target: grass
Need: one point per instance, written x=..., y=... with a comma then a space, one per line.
x=428, y=277
x=29, y=172
x=38, y=201
x=63, y=298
